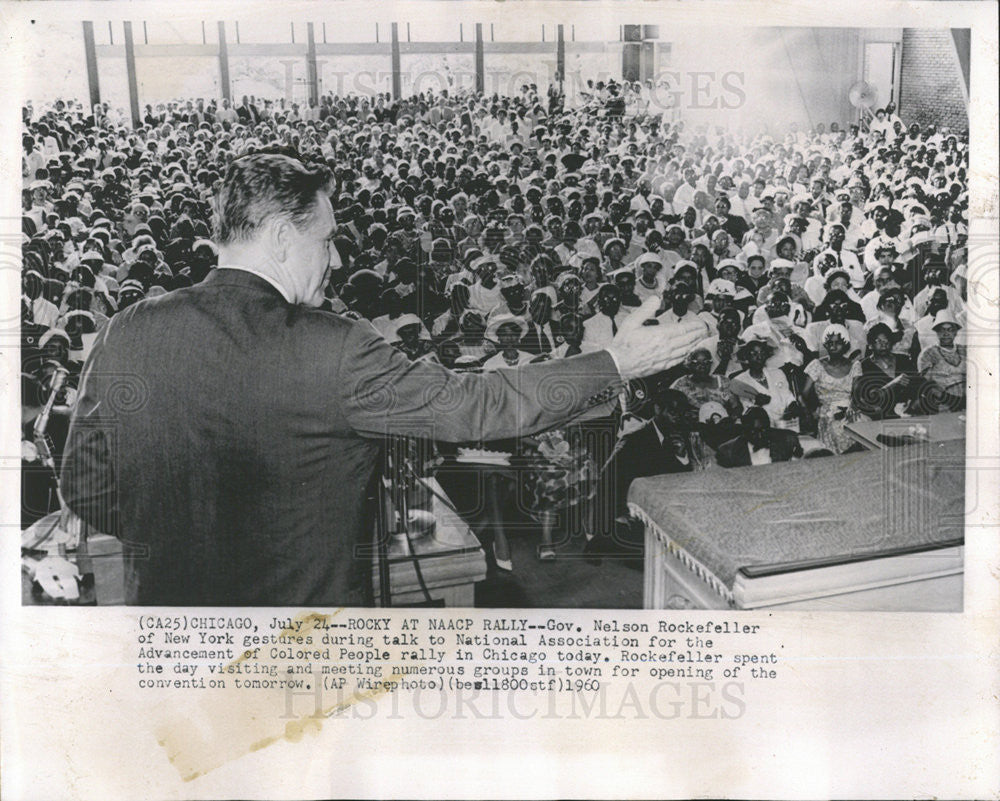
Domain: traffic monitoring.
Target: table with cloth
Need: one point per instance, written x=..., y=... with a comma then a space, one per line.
x=875, y=530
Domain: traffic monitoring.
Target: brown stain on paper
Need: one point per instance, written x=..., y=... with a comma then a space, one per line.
x=231, y=723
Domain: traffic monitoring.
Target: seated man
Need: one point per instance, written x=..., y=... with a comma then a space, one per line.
x=663, y=445
x=603, y=326
x=758, y=443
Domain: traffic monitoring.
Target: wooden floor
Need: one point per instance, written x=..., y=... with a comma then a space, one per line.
x=566, y=583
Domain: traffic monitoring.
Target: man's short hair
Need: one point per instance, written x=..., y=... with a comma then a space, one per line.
x=259, y=186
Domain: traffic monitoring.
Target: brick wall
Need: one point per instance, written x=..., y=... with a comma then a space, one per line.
x=931, y=80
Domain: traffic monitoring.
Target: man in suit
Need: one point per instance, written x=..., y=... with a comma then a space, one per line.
x=539, y=338
x=602, y=328
x=247, y=112
x=227, y=432
x=661, y=446
x=759, y=443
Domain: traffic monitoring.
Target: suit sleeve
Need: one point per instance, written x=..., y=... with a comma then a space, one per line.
x=383, y=392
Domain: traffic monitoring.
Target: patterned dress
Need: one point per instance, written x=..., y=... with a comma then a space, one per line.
x=563, y=473
x=834, y=396
x=945, y=367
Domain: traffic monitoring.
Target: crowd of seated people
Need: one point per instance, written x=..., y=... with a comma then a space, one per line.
x=826, y=269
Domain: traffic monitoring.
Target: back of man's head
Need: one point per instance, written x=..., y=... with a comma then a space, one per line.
x=262, y=185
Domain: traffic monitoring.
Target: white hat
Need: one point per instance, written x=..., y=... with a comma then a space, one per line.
x=505, y=319
x=835, y=329
x=86, y=315
x=720, y=286
x=478, y=264
x=50, y=334
x=759, y=332
x=404, y=320
x=945, y=317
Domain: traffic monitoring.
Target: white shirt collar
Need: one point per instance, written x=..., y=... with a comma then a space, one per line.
x=267, y=278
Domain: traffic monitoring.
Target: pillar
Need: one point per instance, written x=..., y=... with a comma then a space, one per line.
x=480, y=61
x=227, y=89
x=560, y=55
x=312, y=70
x=90, y=51
x=397, y=77
x=133, y=84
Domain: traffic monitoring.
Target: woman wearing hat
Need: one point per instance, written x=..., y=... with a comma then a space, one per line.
x=830, y=379
x=624, y=279
x=890, y=308
x=760, y=385
x=470, y=345
x=837, y=307
x=614, y=254
x=650, y=279
x=944, y=366
x=686, y=275
x=590, y=271
x=409, y=336
x=701, y=386
x=507, y=331
x=888, y=382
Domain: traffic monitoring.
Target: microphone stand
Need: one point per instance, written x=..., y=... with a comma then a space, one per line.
x=42, y=423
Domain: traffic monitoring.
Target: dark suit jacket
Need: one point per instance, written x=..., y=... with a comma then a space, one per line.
x=736, y=452
x=228, y=437
x=643, y=454
x=532, y=343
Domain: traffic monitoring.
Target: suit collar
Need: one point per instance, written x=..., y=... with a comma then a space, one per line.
x=235, y=275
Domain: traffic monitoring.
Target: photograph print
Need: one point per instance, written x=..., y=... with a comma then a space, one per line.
x=447, y=312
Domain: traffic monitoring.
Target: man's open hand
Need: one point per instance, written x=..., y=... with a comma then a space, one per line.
x=642, y=350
